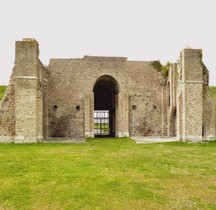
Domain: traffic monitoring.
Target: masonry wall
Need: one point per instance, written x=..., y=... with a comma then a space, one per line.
x=196, y=110
x=58, y=101
x=21, y=115
x=209, y=110
x=71, y=84
x=78, y=77
x=192, y=95
x=171, y=100
x=7, y=113
x=147, y=106
x=27, y=92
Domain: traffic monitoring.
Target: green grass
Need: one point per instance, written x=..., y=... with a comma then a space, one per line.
x=213, y=92
x=102, y=128
x=108, y=174
x=103, y=125
x=2, y=91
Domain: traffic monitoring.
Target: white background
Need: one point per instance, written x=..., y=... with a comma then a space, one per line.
x=138, y=29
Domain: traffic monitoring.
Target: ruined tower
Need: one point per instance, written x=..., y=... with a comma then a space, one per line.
x=28, y=92
x=191, y=104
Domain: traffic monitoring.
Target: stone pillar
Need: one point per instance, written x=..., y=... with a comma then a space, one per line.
x=174, y=83
x=171, y=100
x=179, y=122
x=45, y=109
x=123, y=115
x=28, y=98
x=39, y=113
x=192, y=95
x=164, y=111
x=89, y=115
x=117, y=115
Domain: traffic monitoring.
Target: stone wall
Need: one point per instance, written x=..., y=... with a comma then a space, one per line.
x=22, y=107
x=171, y=100
x=58, y=101
x=7, y=113
x=135, y=79
x=209, y=109
x=28, y=93
x=147, y=100
x=196, y=109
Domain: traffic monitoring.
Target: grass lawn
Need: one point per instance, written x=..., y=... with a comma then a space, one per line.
x=213, y=92
x=103, y=125
x=107, y=174
x=2, y=91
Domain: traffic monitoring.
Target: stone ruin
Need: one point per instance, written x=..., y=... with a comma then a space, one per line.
x=105, y=96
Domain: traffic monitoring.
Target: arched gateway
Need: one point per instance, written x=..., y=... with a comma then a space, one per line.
x=105, y=106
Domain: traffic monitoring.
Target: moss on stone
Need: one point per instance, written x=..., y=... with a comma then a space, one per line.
x=2, y=91
x=164, y=69
x=157, y=65
x=213, y=92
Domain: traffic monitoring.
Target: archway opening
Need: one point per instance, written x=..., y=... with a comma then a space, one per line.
x=105, y=103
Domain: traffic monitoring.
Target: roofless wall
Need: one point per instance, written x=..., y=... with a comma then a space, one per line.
x=60, y=101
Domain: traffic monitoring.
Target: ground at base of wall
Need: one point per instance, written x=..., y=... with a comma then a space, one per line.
x=153, y=139
x=63, y=140
x=137, y=140
x=159, y=139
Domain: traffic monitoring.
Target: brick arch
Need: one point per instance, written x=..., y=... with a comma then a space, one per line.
x=108, y=81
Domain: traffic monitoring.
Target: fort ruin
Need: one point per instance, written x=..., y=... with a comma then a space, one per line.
x=105, y=96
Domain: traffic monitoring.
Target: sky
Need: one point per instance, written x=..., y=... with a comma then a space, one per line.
x=137, y=29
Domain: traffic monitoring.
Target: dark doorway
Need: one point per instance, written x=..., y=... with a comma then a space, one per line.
x=105, y=91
